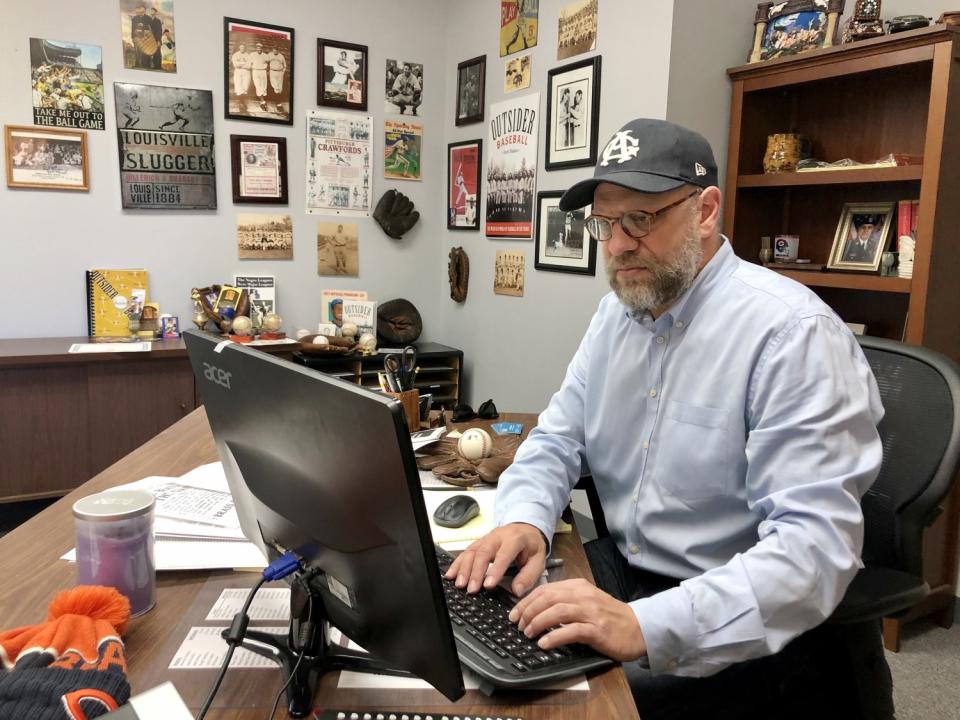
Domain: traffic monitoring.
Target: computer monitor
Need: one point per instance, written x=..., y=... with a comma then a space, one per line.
x=325, y=468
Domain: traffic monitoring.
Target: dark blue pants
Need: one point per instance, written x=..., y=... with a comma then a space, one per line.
x=832, y=671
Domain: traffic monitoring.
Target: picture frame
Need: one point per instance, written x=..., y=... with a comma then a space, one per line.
x=464, y=160
x=46, y=158
x=792, y=27
x=258, y=71
x=342, y=74
x=562, y=243
x=258, y=169
x=471, y=87
x=573, y=115
x=861, y=237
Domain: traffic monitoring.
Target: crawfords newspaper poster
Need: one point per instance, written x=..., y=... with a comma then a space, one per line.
x=339, y=163
x=512, y=167
x=165, y=137
x=67, y=82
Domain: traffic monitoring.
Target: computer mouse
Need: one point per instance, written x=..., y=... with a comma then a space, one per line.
x=456, y=511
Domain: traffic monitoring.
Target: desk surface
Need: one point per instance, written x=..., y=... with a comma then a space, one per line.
x=33, y=572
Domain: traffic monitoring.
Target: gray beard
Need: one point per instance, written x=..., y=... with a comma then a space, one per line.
x=671, y=276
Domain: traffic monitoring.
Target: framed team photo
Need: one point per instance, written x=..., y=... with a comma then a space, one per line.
x=463, y=185
x=257, y=71
x=258, y=169
x=471, y=78
x=573, y=115
x=342, y=74
x=46, y=159
x=562, y=242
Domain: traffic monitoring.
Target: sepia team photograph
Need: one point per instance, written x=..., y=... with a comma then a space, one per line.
x=258, y=71
x=577, y=31
x=264, y=237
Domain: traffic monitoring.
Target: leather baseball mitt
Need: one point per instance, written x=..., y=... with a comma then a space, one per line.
x=395, y=214
x=458, y=271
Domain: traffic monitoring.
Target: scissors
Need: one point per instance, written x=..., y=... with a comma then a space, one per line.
x=402, y=367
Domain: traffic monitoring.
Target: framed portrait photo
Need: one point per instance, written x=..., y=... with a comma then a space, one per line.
x=463, y=185
x=573, y=114
x=562, y=241
x=258, y=169
x=46, y=159
x=257, y=71
x=861, y=236
x=471, y=80
x=795, y=26
x=342, y=74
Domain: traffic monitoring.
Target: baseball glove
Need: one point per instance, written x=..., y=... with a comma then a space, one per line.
x=395, y=214
x=399, y=322
x=443, y=460
x=458, y=271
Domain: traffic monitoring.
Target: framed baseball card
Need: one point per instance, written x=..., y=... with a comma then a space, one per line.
x=258, y=169
x=257, y=71
x=342, y=74
x=463, y=185
x=573, y=115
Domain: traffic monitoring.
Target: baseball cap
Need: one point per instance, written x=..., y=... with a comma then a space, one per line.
x=648, y=156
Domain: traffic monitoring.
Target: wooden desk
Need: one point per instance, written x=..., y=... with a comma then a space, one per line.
x=33, y=572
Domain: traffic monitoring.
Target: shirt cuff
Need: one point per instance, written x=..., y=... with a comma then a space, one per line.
x=669, y=631
x=531, y=514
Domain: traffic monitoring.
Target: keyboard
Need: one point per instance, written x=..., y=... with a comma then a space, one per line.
x=492, y=646
x=406, y=714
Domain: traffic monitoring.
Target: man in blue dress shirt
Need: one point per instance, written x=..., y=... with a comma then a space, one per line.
x=728, y=418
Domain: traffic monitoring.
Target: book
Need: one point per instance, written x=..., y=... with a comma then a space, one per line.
x=328, y=303
x=362, y=313
x=110, y=294
x=262, y=291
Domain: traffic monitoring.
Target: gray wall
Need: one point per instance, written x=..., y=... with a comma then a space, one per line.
x=49, y=238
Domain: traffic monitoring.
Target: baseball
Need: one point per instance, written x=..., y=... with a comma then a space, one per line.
x=475, y=444
x=348, y=330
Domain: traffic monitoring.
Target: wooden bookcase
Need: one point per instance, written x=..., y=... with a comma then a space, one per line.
x=893, y=94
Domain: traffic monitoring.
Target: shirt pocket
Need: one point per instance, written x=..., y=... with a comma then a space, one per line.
x=694, y=451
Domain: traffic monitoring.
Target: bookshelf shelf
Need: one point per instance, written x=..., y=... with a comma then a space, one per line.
x=848, y=281
x=832, y=177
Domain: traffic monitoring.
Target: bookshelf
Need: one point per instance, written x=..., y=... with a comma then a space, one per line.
x=893, y=94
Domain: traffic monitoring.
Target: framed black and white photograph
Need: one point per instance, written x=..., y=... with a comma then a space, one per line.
x=258, y=169
x=861, y=236
x=573, y=114
x=404, y=87
x=562, y=242
x=257, y=71
x=471, y=78
x=46, y=158
x=342, y=74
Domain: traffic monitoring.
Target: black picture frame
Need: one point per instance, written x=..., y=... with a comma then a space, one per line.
x=469, y=103
x=237, y=167
x=453, y=220
x=235, y=105
x=569, y=143
x=563, y=238
x=326, y=74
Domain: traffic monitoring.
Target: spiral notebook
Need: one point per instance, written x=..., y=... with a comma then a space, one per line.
x=109, y=295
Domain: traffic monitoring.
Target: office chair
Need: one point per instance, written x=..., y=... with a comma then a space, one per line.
x=920, y=390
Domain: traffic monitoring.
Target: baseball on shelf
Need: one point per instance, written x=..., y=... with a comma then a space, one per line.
x=242, y=325
x=272, y=322
x=349, y=330
x=320, y=340
x=475, y=444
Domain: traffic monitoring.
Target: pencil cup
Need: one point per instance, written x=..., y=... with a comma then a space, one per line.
x=410, y=399
x=115, y=544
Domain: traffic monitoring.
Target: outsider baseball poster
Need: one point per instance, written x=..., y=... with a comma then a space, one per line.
x=165, y=138
x=401, y=149
x=149, y=38
x=339, y=163
x=512, y=167
x=463, y=185
x=67, y=84
x=518, y=25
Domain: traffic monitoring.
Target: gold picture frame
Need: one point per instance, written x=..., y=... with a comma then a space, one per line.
x=46, y=158
x=862, y=236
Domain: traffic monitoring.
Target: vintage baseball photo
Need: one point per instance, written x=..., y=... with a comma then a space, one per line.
x=463, y=185
x=149, y=38
x=471, y=77
x=508, y=273
x=562, y=242
x=264, y=237
x=573, y=111
x=258, y=71
x=338, y=249
x=165, y=138
x=341, y=74
x=518, y=25
x=577, y=31
x=512, y=166
x=44, y=158
x=258, y=169
x=401, y=150
x=404, y=87
x=67, y=84
x=517, y=73
x=339, y=167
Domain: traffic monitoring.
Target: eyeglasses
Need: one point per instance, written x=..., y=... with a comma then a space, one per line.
x=636, y=224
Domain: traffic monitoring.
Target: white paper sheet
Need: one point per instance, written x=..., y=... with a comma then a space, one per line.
x=109, y=347
x=269, y=604
x=203, y=648
x=197, y=554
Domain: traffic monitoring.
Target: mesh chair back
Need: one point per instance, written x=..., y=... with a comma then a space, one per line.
x=920, y=390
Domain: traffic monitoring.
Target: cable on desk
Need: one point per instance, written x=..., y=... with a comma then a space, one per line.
x=306, y=640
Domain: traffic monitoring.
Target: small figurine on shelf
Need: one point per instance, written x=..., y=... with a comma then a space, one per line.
x=271, y=328
x=242, y=329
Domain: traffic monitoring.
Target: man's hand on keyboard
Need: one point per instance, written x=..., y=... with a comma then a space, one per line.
x=580, y=612
x=486, y=560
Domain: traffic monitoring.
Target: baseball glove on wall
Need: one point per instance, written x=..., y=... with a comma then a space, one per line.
x=395, y=214
x=458, y=271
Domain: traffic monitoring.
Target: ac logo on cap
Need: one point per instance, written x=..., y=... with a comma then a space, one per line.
x=699, y=169
x=621, y=148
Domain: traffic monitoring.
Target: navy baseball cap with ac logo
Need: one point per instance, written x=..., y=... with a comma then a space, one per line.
x=648, y=156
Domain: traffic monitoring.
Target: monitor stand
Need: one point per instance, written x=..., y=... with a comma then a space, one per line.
x=308, y=633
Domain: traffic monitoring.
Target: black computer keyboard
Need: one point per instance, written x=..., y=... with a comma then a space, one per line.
x=493, y=647
x=405, y=714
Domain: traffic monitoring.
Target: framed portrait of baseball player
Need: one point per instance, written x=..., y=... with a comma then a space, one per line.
x=861, y=236
x=471, y=78
x=562, y=241
x=573, y=115
x=257, y=71
x=258, y=169
x=342, y=74
x=463, y=185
